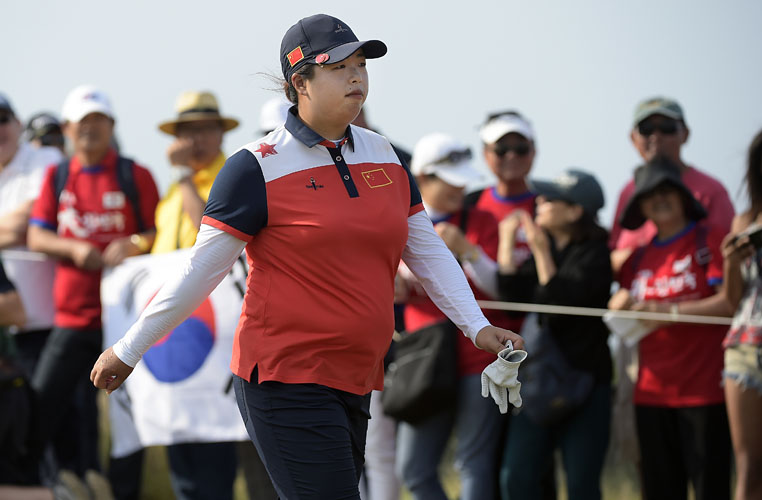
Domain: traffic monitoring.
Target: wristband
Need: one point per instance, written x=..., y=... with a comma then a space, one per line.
x=141, y=242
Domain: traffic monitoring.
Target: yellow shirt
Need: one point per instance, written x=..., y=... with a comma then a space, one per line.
x=174, y=228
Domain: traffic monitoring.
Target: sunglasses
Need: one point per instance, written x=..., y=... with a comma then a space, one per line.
x=665, y=128
x=519, y=149
x=5, y=119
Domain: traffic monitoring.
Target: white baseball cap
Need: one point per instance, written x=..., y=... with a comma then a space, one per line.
x=273, y=113
x=446, y=157
x=84, y=100
x=503, y=124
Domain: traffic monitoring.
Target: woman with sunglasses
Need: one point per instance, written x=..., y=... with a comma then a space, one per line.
x=442, y=167
x=681, y=421
x=743, y=343
x=569, y=266
x=324, y=211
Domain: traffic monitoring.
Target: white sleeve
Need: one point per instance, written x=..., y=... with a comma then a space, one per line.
x=441, y=276
x=483, y=272
x=211, y=257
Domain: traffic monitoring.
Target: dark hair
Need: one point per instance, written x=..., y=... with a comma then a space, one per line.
x=307, y=72
x=586, y=228
x=754, y=174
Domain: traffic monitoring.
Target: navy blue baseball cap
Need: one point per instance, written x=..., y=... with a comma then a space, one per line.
x=322, y=39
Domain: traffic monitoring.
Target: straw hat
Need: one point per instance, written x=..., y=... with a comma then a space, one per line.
x=193, y=106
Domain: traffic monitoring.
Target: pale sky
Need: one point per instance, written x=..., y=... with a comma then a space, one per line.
x=576, y=69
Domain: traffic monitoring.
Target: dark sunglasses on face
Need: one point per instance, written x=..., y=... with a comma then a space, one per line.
x=519, y=149
x=5, y=119
x=665, y=128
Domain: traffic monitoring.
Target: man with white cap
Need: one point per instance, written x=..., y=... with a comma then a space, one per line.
x=510, y=147
x=442, y=166
x=91, y=211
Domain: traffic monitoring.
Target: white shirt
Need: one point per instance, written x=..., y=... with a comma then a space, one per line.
x=20, y=182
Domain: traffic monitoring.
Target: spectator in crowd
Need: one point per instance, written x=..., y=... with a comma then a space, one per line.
x=659, y=129
x=22, y=168
x=44, y=129
x=509, y=148
x=197, y=470
x=569, y=266
x=442, y=167
x=682, y=425
x=90, y=213
x=323, y=243
x=743, y=343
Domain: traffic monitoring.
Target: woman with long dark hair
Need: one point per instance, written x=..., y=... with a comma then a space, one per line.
x=569, y=266
x=743, y=343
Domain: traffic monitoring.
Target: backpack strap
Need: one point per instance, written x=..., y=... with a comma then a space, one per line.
x=703, y=254
x=60, y=178
x=126, y=178
x=637, y=256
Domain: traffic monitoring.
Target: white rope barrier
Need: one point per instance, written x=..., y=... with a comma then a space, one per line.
x=599, y=312
x=24, y=255
x=506, y=306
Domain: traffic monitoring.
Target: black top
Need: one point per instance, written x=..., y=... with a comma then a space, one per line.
x=583, y=278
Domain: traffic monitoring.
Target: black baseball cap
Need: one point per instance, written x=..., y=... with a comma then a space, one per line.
x=42, y=125
x=572, y=186
x=322, y=39
x=647, y=178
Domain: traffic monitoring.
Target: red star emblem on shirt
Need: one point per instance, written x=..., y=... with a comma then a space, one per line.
x=266, y=149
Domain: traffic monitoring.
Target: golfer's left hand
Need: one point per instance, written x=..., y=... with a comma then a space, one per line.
x=493, y=339
x=109, y=372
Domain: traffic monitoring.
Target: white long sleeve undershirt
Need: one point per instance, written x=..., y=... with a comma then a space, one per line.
x=216, y=251
x=209, y=262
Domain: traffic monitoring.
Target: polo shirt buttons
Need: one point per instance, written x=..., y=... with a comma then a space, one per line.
x=346, y=177
x=338, y=158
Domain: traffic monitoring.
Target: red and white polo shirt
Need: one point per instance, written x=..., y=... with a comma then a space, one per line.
x=326, y=224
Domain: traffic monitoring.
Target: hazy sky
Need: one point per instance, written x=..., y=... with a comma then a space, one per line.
x=576, y=69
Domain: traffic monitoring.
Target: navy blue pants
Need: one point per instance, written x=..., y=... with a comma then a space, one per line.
x=311, y=438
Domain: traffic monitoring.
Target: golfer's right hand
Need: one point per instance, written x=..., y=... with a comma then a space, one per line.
x=109, y=372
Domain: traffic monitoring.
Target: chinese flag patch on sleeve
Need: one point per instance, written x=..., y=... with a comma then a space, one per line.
x=376, y=178
x=295, y=56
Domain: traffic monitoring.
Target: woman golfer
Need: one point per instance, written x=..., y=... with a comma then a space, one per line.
x=325, y=211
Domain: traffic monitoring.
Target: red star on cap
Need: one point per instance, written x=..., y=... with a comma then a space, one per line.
x=266, y=149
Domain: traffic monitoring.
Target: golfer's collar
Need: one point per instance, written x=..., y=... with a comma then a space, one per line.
x=306, y=135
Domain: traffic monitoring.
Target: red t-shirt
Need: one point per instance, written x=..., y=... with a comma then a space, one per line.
x=501, y=207
x=420, y=311
x=91, y=207
x=680, y=365
x=707, y=190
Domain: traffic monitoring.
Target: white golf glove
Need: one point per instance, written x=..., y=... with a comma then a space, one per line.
x=500, y=381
